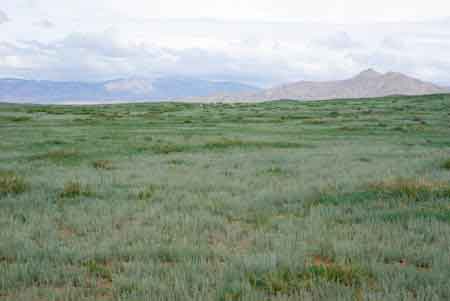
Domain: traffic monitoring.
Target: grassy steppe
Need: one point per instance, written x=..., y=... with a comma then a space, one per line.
x=337, y=200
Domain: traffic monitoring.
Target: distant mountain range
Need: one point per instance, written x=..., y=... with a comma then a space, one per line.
x=122, y=90
x=367, y=84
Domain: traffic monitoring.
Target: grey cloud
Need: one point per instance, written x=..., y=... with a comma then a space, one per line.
x=3, y=17
x=101, y=56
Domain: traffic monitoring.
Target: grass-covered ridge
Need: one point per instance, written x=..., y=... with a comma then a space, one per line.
x=330, y=200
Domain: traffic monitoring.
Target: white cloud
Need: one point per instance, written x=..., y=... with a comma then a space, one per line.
x=264, y=42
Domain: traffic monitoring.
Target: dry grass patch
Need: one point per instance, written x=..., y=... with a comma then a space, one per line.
x=103, y=164
x=58, y=155
x=11, y=183
x=287, y=280
x=413, y=189
x=75, y=189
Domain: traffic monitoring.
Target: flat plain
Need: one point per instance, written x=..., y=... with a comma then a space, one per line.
x=327, y=200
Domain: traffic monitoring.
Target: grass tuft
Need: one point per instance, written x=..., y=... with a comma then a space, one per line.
x=58, y=155
x=148, y=192
x=446, y=164
x=98, y=270
x=21, y=119
x=103, y=164
x=15, y=118
x=75, y=189
x=402, y=189
x=11, y=183
x=224, y=143
x=167, y=148
x=287, y=280
x=417, y=190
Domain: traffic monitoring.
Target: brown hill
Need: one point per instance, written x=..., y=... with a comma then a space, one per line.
x=367, y=84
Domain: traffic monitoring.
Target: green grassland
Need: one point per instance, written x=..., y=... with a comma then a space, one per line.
x=329, y=200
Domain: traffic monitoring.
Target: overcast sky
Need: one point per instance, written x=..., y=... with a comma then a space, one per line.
x=263, y=42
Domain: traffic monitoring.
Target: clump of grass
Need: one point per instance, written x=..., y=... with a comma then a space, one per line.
x=229, y=143
x=314, y=121
x=404, y=189
x=364, y=159
x=103, y=164
x=148, y=192
x=275, y=170
x=233, y=287
x=21, y=119
x=348, y=128
x=55, y=142
x=344, y=275
x=224, y=143
x=98, y=270
x=446, y=164
x=412, y=189
x=333, y=114
x=11, y=183
x=168, y=148
x=399, y=129
x=75, y=189
x=288, y=280
x=15, y=118
x=177, y=162
x=58, y=155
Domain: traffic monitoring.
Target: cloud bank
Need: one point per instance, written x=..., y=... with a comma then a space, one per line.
x=147, y=39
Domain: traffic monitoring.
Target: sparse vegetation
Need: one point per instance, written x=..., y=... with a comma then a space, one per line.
x=341, y=200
